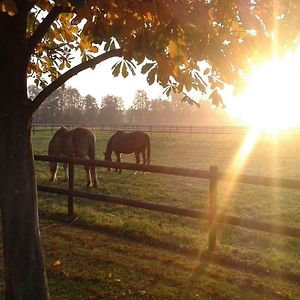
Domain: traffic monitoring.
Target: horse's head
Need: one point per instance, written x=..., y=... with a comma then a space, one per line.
x=107, y=157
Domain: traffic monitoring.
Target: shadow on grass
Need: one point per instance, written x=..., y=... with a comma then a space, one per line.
x=217, y=258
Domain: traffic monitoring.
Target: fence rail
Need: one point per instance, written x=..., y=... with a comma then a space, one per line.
x=212, y=175
x=189, y=129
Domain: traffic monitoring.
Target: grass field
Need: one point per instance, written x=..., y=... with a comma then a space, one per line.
x=241, y=267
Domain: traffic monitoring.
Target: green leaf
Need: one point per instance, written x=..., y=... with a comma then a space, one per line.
x=167, y=90
x=151, y=76
x=106, y=47
x=131, y=67
x=147, y=67
x=124, y=71
x=117, y=68
x=112, y=45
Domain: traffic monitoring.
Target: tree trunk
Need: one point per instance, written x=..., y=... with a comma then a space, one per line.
x=25, y=276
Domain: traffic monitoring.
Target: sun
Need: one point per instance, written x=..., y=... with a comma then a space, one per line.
x=271, y=99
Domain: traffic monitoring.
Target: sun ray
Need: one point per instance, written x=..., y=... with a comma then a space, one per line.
x=237, y=165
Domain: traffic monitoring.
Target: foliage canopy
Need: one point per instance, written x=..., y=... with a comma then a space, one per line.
x=169, y=39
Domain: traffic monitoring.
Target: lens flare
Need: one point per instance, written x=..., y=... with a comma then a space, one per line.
x=271, y=98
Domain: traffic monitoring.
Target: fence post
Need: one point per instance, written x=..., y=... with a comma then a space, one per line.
x=70, y=189
x=213, y=186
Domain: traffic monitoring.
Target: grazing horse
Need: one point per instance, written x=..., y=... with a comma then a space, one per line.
x=78, y=143
x=133, y=142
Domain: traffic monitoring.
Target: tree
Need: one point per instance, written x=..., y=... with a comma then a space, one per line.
x=138, y=112
x=51, y=110
x=73, y=105
x=111, y=110
x=169, y=38
x=91, y=109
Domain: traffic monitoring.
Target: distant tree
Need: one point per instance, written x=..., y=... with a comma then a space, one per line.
x=160, y=111
x=111, y=110
x=73, y=105
x=51, y=110
x=91, y=110
x=140, y=108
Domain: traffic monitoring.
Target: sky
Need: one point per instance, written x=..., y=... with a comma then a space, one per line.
x=100, y=82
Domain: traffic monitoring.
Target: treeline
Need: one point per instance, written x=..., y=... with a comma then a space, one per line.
x=67, y=105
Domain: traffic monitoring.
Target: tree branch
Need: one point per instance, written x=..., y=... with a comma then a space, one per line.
x=43, y=28
x=70, y=73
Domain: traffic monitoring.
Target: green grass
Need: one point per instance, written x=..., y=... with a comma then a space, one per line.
x=266, y=257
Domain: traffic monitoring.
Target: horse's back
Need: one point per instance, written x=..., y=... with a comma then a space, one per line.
x=84, y=142
x=135, y=141
x=76, y=142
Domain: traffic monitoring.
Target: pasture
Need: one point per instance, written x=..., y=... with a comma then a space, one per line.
x=250, y=250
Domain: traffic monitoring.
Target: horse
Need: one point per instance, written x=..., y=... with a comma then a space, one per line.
x=133, y=142
x=78, y=143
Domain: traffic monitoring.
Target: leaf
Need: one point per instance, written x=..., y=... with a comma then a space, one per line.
x=116, y=69
x=173, y=49
x=190, y=101
x=216, y=98
x=206, y=71
x=62, y=65
x=56, y=264
x=106, y=47
x=93, y=49
x=112, y=45
x=168, y=90
x=9, y=6
x=147, y=67
x=179, y=88
x=131, y=67
x=124, y=71
x=188, y=82
x=151, y=76
x=77, y=3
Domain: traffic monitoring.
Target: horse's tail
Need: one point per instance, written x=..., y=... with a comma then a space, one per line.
x=148, y=146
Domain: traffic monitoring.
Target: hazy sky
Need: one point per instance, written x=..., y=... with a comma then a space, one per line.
x=100, y=82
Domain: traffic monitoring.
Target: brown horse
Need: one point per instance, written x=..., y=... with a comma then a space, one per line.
x=78, y=143
x=133, y=142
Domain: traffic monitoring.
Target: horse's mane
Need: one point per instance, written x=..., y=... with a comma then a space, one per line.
x=110, y=141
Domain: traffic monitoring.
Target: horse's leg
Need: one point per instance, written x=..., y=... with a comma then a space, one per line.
x=88, y=173
x=144, y=157
x=137, y=157
x=137, y=160
x=94, y=175
x=66, y=170
x=88, y=176
x=118, y=160
x=53, y=170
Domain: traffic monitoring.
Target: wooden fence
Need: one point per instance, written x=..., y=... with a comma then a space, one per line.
x=188, y=129
x=212, y=215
